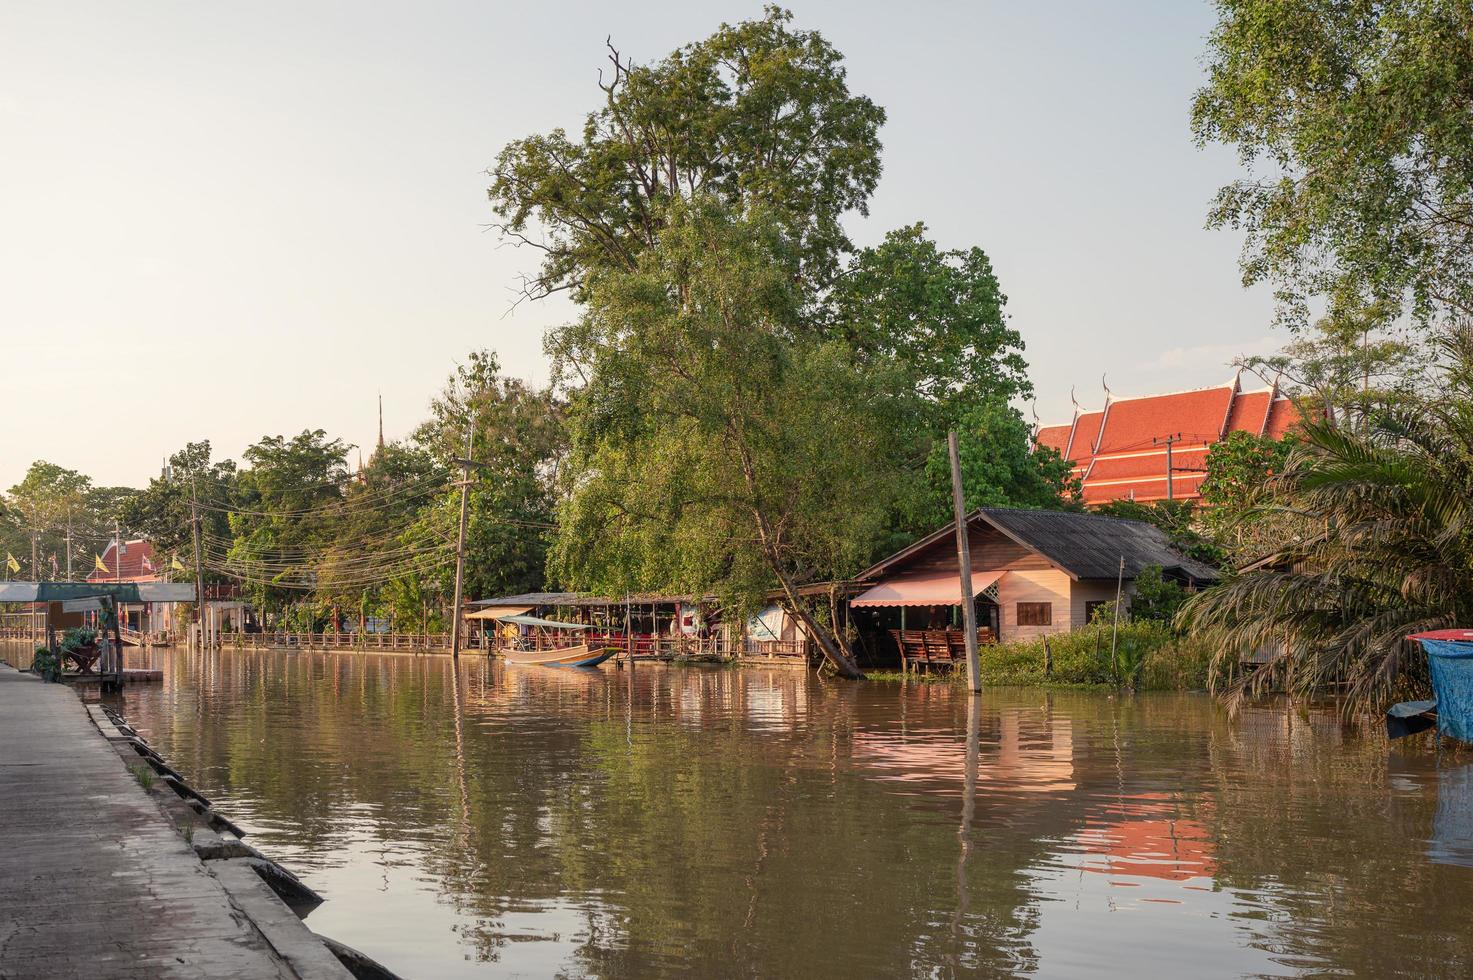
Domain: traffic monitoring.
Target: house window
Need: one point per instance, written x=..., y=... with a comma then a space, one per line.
x=1035, y=614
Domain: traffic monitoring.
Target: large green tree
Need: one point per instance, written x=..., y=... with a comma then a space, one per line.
x=721, y=445
x=757, y=114
x=289, y=503
x=1352, y=117
x=937, y=317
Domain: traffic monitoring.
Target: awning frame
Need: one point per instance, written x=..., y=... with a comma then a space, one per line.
x=944, y=589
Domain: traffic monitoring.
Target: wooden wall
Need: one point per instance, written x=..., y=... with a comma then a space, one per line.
x=991, y=551
x=1035, y=585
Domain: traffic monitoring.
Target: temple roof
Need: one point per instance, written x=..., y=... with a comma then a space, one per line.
x=1119, y=452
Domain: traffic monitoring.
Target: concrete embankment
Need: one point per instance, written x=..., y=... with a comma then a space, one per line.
x=107, y=872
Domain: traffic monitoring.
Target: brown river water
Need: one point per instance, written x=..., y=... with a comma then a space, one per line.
x=505, y=821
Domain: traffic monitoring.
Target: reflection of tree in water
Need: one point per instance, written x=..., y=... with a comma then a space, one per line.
x=723, y=821
x=1327, y=834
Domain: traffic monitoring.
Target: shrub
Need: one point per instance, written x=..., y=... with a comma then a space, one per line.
x=47, y=665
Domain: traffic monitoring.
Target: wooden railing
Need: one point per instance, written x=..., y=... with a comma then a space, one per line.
x=643, y=646
x=277, y=639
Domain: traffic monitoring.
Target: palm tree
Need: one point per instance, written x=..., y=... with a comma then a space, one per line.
x=1379, y=545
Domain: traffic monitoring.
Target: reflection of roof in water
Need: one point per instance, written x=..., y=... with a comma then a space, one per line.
x=1143, y=836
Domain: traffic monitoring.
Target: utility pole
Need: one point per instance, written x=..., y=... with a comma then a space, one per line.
x=199, y=571
x=117, y=552
x=465, y=486
x=1168, y=441
x=68, y=545
x=964, y=564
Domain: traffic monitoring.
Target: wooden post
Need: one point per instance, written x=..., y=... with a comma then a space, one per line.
x=1115, y=630
x=199, y=571
x=465, y=484
x=964, y=565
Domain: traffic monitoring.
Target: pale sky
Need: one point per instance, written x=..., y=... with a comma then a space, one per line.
x=227, y=221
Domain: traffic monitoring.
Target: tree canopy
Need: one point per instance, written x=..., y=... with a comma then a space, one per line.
x=721, y=445
x=1352, y=119
x=757, y=114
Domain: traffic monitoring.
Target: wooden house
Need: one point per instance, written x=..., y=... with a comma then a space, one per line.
x=1034, y=572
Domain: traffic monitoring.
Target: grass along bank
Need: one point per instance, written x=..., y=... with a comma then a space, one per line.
x=1148, y=657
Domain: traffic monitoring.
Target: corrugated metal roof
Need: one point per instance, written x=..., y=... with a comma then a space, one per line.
x=574, y=599
x=1084, y=545
x=1091, y=545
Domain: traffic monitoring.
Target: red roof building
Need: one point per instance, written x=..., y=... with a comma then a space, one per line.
x=1121, y=451
x=134, y=564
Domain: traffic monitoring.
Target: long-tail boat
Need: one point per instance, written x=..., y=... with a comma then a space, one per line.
x=552, y=645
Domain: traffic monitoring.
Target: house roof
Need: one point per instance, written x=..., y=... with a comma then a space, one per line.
x=137, y=563
x=1283, y=415
x=1083, y=545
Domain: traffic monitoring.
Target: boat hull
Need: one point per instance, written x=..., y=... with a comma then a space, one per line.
x=581, y=655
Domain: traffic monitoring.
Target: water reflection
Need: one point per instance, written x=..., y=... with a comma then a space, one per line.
x=668, y=821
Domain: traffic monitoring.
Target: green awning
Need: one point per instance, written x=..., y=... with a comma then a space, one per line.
x=62, y=591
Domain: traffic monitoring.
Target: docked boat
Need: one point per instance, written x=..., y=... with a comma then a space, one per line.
x=1450, y=664
x=548, y=643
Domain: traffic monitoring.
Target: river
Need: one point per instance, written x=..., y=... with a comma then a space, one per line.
x=503, y=821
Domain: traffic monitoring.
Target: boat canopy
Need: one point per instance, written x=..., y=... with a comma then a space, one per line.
x=552, y=624
x=499, y=612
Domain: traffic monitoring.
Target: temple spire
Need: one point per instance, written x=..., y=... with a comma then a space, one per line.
x=381, y=421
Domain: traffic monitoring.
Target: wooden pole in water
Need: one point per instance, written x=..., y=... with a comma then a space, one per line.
x=199, y=570
x=1115, y=630
x=964, y=565
x=465, y=484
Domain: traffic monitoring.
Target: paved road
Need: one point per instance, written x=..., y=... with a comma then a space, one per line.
x=94, y=880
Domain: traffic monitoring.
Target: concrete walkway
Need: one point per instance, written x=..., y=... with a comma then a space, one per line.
x=95, y=881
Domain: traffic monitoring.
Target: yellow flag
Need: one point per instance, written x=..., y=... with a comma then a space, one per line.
x=175, y=564
x=97, y=561
x=11, y=563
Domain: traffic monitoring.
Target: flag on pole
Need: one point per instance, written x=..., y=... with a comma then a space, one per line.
x=176, y=565
x=11, y=563
x=97, y=562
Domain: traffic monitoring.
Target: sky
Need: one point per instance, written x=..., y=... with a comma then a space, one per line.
x=226, y=221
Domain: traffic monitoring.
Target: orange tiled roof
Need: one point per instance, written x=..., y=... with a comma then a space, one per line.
x=1196, y=417
x=1283, y=415
x=1055, y=437
x=137, y=563
x=1119, y=452
x=1250, y=412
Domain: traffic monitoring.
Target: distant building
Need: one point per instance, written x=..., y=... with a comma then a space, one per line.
x=1155, y=447
x=132, y=562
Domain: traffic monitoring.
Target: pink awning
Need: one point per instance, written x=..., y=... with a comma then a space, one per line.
x=944, y=589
